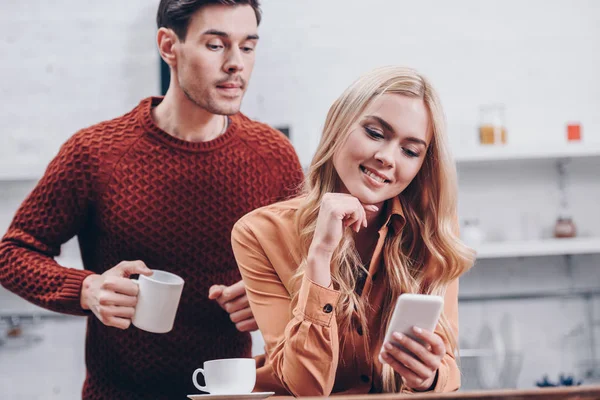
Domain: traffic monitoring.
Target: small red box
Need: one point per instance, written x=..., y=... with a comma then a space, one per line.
x=573, y=132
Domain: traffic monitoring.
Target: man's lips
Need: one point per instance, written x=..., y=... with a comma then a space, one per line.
x=230, y=85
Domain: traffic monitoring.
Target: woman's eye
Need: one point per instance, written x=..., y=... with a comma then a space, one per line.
x=410, y=153
x=373, y=133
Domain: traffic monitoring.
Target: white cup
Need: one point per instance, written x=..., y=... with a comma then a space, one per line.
x=158, y=300
x=227, y=376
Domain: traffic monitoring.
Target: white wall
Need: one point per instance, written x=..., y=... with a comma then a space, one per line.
x=69, y=64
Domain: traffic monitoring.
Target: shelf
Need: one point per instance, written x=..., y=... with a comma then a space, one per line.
x=476, y=353
x=507, y=153
x=535, y=295
x=547, y=247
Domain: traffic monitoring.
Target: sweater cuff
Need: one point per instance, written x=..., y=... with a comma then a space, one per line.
x=317, y=303
x=70, y=295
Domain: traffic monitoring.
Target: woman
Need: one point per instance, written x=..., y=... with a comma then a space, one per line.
x=377, y=219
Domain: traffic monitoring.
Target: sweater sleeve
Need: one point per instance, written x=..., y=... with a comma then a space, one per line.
x=290, y=175
x=51, y=215
x=302, y=344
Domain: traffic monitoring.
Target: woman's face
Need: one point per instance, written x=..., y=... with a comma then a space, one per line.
x=385, y=149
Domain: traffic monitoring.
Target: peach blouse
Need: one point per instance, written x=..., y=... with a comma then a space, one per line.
x=303, y=356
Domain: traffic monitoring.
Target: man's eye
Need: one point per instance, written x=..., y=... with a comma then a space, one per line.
x=214, y=46
x=247, y=49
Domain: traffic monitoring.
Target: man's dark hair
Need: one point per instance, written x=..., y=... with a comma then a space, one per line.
x=176, y=14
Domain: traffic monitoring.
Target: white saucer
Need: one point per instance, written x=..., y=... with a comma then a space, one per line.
x=249, y=396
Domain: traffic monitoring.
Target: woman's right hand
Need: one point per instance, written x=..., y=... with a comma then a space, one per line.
x=337, y=211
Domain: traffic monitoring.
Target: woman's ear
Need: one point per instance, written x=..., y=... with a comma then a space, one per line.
x=166, y=40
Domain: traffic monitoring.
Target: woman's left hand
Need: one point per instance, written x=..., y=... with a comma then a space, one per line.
x=418, y=370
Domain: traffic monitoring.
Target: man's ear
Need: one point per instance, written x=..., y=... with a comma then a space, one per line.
x=166, y=39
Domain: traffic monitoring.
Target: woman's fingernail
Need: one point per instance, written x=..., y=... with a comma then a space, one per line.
x=398, y=336
x=388, y=346
x=417, y=329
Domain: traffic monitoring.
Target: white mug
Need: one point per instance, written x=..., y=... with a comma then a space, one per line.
x=158, y=299
x=227, y=376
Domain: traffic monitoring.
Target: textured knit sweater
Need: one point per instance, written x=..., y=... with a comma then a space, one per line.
x=130, y=191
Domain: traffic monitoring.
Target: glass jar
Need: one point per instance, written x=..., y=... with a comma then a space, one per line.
x=565, y=227
x=471, y=233
x=492, y=124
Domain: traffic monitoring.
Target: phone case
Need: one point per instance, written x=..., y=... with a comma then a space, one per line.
x=420, y=310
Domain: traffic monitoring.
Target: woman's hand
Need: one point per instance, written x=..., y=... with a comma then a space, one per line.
x=417, y=363
x=337, y=211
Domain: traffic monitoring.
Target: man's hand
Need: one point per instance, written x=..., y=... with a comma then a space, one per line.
x=112, y=296
x=233, y=299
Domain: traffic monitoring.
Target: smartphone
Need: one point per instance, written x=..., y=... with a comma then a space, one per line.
x=420, y=310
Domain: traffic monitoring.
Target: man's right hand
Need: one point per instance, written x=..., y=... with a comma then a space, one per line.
x=112, y=296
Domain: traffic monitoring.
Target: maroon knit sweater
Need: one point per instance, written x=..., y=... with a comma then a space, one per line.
x=130, y=191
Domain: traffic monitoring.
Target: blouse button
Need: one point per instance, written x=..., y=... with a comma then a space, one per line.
x=328, y=308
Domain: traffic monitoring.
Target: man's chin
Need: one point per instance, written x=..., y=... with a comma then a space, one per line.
x=226, y=108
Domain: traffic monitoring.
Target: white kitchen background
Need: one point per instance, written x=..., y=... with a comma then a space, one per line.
x=529, y=308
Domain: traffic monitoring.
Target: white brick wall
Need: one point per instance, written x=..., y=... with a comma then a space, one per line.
x=69, y=64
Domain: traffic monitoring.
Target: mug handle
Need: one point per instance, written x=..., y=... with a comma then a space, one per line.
x=195, y=380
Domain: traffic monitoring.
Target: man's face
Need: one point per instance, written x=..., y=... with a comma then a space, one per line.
x=214, y=63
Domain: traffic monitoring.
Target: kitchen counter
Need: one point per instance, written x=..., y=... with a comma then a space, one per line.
x=563, y=393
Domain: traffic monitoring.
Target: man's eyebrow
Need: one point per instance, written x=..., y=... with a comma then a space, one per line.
x=216, y=32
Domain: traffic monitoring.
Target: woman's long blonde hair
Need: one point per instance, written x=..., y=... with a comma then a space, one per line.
x=425, y=255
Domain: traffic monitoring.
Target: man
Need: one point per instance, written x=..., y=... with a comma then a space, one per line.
x=159, y=187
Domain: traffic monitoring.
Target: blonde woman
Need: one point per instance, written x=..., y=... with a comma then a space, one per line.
x=377, y=219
